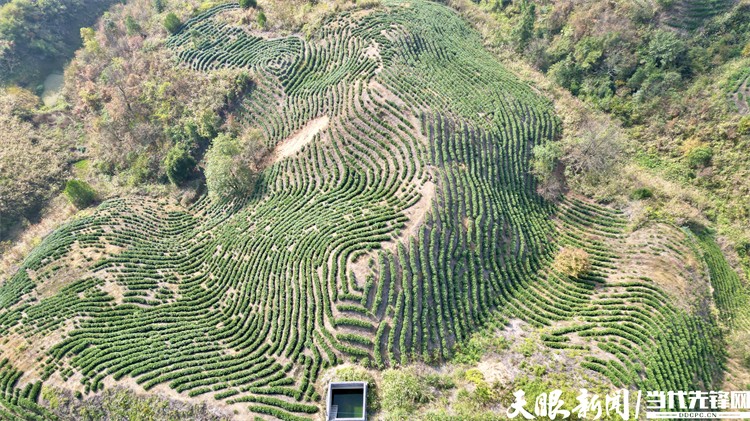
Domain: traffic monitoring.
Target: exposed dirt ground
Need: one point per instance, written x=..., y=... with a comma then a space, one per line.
x=294, y=143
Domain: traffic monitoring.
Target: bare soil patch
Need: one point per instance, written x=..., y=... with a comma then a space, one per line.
x=115, y=290
x=24, y=351
x=297, y=141
x=417, y=212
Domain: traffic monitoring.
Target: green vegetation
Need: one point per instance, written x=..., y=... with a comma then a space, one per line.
x=195, y=279
x=37, y=38
x=357, y=374
x=642, y=193
x=699, y=156
x=172, y=23
x=232, y=164
x=123, y=404
x=80, y=193
x=16, y=403
x=179, y=164
x=403, y=392
x=132, y=26
x=730, y=293
x=480, y=343
x=246, y=4
x=137, y=107
x=382, y=193
x=261, y=19
x=681, y=95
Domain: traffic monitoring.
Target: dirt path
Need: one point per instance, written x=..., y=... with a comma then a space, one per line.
x=741, y=104
x=417, y=212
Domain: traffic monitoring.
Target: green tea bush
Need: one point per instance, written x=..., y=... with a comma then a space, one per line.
x=641, y=193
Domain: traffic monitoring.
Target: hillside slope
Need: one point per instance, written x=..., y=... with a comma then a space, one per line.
x=395, y=217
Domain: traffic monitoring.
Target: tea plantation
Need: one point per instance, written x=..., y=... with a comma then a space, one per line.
x=390, y=237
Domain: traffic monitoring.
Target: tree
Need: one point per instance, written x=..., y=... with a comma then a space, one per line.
x=246, y=4
x=159, y=6
x=567, y=74
x=8, y=59
x=594, y=151
x=172, y=23
x=548, y=170
x=545, y=159
x=524, y=30
x=90, y=43
x=261, y=19
x=80, y=193
x=572, y=261
x=667, y=50
x=699, y=156
x=179, y=164
x=641, y=193
x=131, y=26
x=232, y=163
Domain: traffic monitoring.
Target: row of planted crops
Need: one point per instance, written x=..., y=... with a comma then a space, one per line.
x=249, y=301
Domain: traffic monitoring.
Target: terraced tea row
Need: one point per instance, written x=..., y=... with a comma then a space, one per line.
x=628, y=314
x=360, y=245
x=396, y=216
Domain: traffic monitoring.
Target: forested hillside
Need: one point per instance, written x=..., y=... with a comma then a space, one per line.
x=37, y=38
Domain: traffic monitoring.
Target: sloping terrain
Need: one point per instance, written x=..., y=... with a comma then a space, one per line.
x=691, y=14
x=397, y=216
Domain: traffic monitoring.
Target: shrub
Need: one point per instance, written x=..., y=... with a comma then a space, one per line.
x=742, y=342
x=261, y=19
x=179, y=164
x=172, y=23
x=743, y=126
x=480, y=343
x=80, y=193
x=141, y=169
x=246, y=4
x=641, y=193
x=699, y=156
x=527, y=348
x=483, y=393
x=545, y=157
x=523, y=31
x=666, y=50
x=549, y=170
x=131, y=26
x=404, y=390
x=572, y=261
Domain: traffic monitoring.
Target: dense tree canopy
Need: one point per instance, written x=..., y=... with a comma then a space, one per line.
x=232, y=164
x=35, y=37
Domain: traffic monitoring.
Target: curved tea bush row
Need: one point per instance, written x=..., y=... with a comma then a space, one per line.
x=633, y=332
x=20, y=403
x=402, y=226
